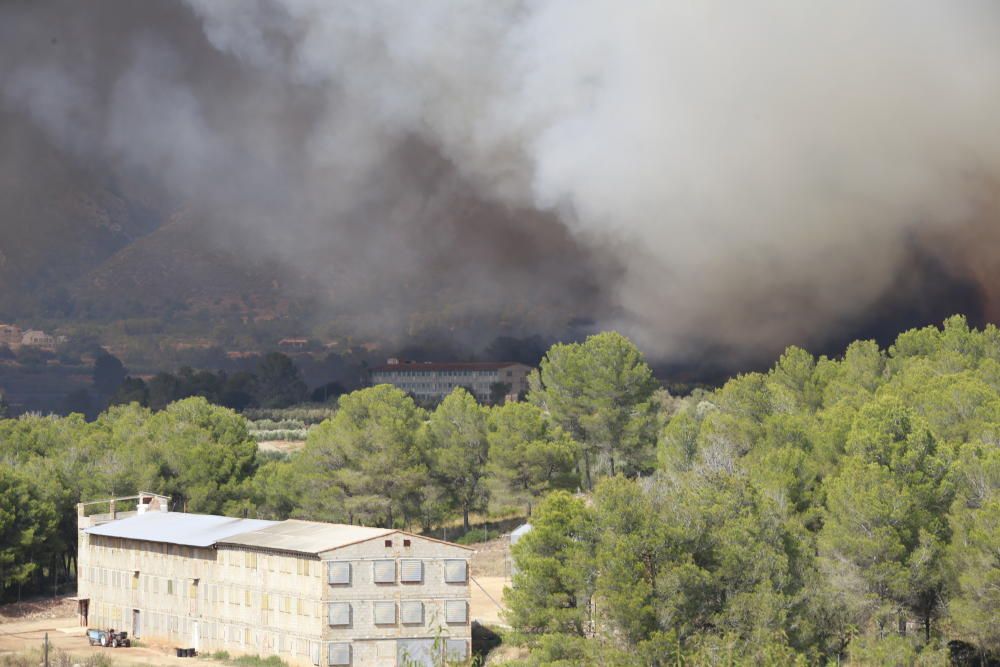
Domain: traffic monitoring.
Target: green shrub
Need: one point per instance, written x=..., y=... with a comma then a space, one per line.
x=477, y=535
x=277, y=434
x=306, y=415
x=257, y=661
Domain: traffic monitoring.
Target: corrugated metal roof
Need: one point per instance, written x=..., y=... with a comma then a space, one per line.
x=308, y=537
x=191, y=530
x=205, y=530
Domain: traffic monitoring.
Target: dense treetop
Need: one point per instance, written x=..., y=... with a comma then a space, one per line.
x=825, y=509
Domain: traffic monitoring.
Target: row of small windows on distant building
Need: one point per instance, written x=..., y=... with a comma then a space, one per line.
x=458, y=374
x=453, y=650
x=411, y=571
x=247, y=637
x=411, y=612
x=432, y=386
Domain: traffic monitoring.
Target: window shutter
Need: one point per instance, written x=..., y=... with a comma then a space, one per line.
x=456, y=611
x=340, y=653
x=340, y=613
x=314, y=649
x=385, y=571
x=411, y=612
x=385, y=613
x=455, y=571
x=411, y=571
x=456, y=649
x=339, y=574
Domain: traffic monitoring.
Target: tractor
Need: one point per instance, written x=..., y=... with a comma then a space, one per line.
x=108, y=638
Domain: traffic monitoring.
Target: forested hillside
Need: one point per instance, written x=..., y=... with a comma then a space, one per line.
x=824, y=510
x=829, y=509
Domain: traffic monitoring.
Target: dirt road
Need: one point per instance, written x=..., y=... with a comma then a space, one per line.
x=65, y=635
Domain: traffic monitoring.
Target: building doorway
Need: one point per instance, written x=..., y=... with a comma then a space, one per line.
x=136, y=624
x=83, y=610
x=195, y=636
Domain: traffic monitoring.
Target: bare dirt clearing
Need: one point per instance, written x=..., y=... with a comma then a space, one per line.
x=32, y=610
x=282, y=446
x=490, y=574
x=23, y=627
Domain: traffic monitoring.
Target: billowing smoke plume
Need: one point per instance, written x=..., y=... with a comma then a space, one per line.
x=735, y=176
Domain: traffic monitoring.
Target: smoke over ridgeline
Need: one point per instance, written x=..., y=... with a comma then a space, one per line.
x=701, y=175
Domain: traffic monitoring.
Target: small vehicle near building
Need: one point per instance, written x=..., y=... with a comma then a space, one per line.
x=108, y=638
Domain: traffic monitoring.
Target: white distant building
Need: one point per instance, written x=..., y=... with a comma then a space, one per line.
x=36, y=338
x=431, y=380
x=311, y=593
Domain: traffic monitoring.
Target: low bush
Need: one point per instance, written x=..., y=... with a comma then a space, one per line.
x=477, y=535
x=257, y=661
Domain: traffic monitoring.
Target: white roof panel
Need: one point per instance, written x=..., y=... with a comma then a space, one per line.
x=205, y=530
x=191, y=530
x=523, y=529
x=309, y=537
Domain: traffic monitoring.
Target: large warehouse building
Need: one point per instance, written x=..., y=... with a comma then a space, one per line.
x=310, y=593
x=433, y=380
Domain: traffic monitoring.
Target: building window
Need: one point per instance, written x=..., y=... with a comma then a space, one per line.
x=339, y=574
x=406, y=543
x=340, y=653
x=456, y=611
x=388, y=543
x=411, y=571
x=456, y=571
x=339, y=614
x=384, y=571
x=411, y=612
x=385, y=613
x=456, y=650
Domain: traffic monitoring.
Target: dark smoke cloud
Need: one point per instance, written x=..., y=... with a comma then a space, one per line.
x=712, y=179
x=274, y=164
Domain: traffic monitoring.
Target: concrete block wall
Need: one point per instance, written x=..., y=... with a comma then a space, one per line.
x=373, y=643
